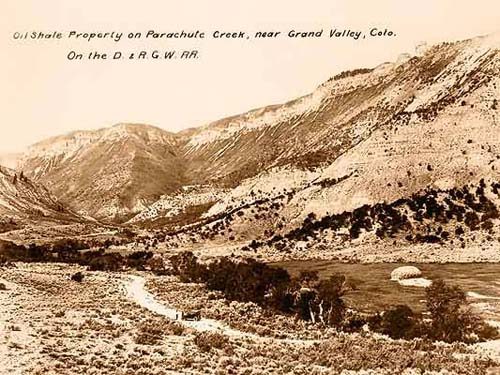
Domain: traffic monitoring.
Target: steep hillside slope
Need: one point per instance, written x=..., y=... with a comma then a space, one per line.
x=363, y=137
x=307, y=132
x=446, y=136
x=437, y=125
x=316, y=129
x=184, y=206
x=107, y=173
x=23, y=202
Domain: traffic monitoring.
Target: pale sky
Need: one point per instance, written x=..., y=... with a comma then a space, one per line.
x=42, y=94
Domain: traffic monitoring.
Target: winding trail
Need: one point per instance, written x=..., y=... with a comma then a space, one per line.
x=136, y=291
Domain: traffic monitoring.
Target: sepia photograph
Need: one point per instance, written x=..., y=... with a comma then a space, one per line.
x=251, y=187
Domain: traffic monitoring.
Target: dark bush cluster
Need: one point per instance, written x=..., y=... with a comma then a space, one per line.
x=432, y=216
x=78, y=277
x=351, y=73
x=452, y=320
x=73, y=252
x=320, y=301
x=245, y=280
x=449, y=320
x=248, y=280
x=398, y=322
x=329, y=182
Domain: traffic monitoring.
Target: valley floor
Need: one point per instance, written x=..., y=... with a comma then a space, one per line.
x=114, y=323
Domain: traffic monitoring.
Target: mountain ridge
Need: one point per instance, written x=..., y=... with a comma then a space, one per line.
x=311, y=132
x=24, y=202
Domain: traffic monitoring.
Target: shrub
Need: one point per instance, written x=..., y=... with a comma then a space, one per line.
x=138, y=259
x=78, y=277
x=486, y=332
x=330, y=307
x=353, y=322
x=68, y=245
x=174, y=329
x=281, y=298
x=247, y=280
x=152, y=331
x=205, y=341
x=398, y=322
x=10, y=252
x=104, y=262
x=452, y=320
x=157, y=265
x=320, y=300
x=186, y=266
x=149, y=334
